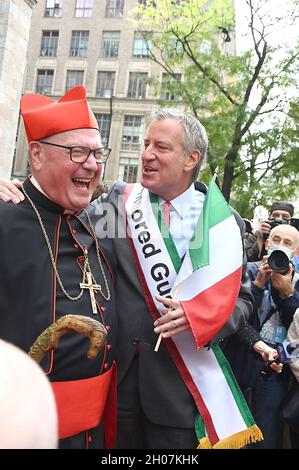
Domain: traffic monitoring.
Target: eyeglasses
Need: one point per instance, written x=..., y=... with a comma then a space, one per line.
x=81, y=154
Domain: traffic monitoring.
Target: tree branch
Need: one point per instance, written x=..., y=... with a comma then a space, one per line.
x=204, y=71
x=165, y=66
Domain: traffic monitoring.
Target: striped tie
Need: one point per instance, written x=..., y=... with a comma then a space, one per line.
x=166, y=207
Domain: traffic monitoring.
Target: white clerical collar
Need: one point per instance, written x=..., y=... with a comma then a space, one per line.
x=38, y=186
x=183, y=200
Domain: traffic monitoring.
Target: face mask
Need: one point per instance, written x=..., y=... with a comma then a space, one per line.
x=286, y=250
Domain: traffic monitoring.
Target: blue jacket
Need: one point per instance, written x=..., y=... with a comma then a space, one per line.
x=267, y=300
x=246, y=364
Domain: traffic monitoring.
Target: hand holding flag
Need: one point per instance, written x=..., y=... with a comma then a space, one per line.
x=174, y=319
x=210, y=276
x=206, y=286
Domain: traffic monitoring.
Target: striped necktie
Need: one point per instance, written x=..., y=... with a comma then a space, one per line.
x=166, y=207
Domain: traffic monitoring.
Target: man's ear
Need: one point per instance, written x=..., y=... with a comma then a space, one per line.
x=267, y=244
x=192, y=160
x=36, y=155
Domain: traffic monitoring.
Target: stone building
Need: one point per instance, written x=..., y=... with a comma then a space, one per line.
x=93, y=43
x=15, y=17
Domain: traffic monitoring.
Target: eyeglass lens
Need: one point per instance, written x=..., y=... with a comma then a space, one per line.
x=80, y=154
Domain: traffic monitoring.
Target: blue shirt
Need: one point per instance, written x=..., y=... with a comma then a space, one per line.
x=295, y=262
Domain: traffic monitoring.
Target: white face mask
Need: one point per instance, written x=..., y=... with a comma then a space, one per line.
x=286, y=250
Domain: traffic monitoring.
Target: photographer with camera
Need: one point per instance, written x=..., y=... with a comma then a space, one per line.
x=280, y=213
x=275, y=288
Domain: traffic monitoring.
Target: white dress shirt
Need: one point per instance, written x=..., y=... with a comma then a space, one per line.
x=184, y=215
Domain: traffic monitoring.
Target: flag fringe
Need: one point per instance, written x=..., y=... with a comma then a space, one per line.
x=204, y=443
x=241, y=439
x=236, y=441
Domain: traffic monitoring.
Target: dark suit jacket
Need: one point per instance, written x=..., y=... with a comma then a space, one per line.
x=30, y=298
x=165, y=398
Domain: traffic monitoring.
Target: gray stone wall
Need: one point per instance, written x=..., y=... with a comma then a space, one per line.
x=15, y=17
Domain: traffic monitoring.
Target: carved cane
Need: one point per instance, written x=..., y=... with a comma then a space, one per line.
x=86, y=326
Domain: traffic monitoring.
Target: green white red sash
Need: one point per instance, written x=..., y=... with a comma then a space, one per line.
x=207, y=283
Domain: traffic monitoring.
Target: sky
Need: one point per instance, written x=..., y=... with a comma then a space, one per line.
x=280, y=33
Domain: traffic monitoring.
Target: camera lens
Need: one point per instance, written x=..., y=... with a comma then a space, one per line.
x=279, y=262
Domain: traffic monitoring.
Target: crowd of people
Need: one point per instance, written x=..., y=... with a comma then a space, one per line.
x=116, y=272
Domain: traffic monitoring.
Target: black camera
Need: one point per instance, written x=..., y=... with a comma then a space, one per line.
x=279, y=262
x=286, y=352
x=273, y=223
x=295, y=223
x=282, y=358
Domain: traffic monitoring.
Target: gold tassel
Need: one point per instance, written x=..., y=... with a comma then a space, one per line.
x=204, y=443
x=241, y=439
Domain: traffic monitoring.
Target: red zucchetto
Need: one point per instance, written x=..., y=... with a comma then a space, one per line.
x=44, y=117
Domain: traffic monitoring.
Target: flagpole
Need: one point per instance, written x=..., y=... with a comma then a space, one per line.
x=158, y=343
x=215, y=175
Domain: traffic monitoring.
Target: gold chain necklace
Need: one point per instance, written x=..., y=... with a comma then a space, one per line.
x=87, y=273
x=108, y=296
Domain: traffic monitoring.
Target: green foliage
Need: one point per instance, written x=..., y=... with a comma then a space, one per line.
x=241, y=99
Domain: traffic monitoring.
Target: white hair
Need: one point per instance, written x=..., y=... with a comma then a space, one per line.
x=195, y=136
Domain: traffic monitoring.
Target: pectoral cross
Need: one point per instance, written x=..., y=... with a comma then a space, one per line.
x=92, y=287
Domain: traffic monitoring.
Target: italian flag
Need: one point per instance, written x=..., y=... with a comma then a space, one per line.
x=207, y=283
x=209, y=280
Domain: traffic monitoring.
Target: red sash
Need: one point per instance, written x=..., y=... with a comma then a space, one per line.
x=81, y=405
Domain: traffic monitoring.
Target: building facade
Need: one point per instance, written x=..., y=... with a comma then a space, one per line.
x=15, y=17
x=93, y=43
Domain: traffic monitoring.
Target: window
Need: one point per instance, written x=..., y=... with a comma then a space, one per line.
x=105, y=84
x=104, y=121
x=132, y=133
x=53, y=8
x=114, y=7
x=74, y=78
x=83, y=8
x=170, y=86
x=44, y=82
x=49, y=44
x=137, y=85
x=146, y=2
x=141, y=44
x=79, y=43
x=128, y=168
x=174, y=49
x=110, y=43
x=205, y=48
